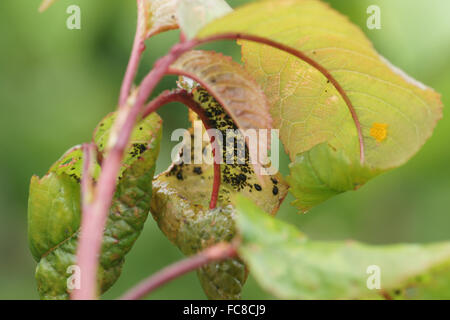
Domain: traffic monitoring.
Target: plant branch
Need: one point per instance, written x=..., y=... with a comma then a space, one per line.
x=87, y=180
x=136, y=54
x=87, y=196
x=182, y=96
x=218, y=252
x=94, y=217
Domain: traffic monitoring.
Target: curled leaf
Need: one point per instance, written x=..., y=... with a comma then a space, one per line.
x=181, y=199
x=54, y=210
x=59, y=195
x=290, y=266
x=324, y=172
x=45, y=5
x=229, y=84
x=159, y=16
x=232, y=87
x=341, y=92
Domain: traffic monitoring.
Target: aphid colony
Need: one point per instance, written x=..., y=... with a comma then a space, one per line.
x=237, y=173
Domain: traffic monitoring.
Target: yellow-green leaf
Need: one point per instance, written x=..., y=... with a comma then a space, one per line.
x=396, y=113
x=290, y=266
x=60, y=196
x=54, y=209
x=324, y=172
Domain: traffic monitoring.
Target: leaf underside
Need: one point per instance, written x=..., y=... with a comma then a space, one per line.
x=54, y=210
x=229, y=84
x=236, y=92
x=159, y=15
x=290, y=266
x=180, y=203
x=396, y=113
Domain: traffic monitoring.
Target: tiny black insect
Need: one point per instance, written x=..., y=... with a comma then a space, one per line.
x=275, y=190
x=198, y=170
x=242, y=177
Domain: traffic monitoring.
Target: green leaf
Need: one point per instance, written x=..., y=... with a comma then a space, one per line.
x=54, y=210
x=290, y=266
x=396, y=113
x=138, y=142
x=324, y=172
x=180, y=204
x=71, y=164
x=195, y=14
x=59, y=195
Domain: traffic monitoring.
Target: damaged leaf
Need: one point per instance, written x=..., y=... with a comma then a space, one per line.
x=180, y=204
x=290, y=266
x=54, y=212
x=341, y=92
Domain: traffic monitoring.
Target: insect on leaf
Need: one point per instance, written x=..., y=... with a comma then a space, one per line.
x=341, y=93
x=54, y=212
x=180, y=203
x=290, y=266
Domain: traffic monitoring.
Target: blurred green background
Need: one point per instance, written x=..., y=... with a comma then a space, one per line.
x=56, y=84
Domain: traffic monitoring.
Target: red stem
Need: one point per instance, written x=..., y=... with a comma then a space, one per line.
x=92, y=228
x=83, y=257
x=308, y=60
x=87, y=180
x=182, y=96
x=182, y=36
x=136, y=54
x=386, y=295
x=216, y=183
x=217, y=252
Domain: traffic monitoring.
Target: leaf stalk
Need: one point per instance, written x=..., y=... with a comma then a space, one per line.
x=93, y=226
x=218, y=252
x=184, y=97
